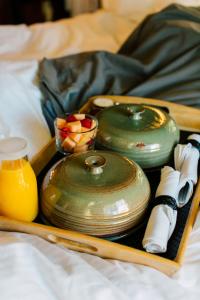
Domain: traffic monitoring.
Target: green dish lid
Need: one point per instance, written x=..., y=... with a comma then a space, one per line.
x=143, y=133
x=95, y=171
x=95, y=191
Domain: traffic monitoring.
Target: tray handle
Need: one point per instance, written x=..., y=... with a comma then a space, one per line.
x=70, y=244
x=49, y=233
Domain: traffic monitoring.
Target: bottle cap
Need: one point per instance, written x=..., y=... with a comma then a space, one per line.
x=13, y=148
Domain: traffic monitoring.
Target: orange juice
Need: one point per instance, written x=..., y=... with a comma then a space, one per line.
x=18, y=190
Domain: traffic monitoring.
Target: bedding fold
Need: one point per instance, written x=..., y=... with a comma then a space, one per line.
x=160, y=59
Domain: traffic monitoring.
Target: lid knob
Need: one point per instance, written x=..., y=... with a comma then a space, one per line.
x=95, y=164
x=135, y=112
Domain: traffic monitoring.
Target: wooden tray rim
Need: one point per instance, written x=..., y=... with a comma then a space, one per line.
x=103, y=248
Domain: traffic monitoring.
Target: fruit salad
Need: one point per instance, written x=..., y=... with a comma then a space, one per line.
x=75, y=133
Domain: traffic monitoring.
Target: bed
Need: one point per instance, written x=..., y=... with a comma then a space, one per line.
x=32, y=268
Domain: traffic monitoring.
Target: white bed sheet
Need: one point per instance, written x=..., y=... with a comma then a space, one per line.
x=31, y=268
x=21, y=48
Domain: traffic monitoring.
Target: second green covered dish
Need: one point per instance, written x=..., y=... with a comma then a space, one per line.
x=143, y=133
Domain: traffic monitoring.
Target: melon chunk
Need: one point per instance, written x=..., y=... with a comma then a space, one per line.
x=84, y=129
x=60, y=123
x=82, y=148
x=86, y=137
x=94, y=124
x=75, y=136
x=68, y=144
x=79, y=117
x=74, y=126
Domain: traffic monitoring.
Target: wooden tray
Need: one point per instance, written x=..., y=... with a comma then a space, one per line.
x=188, y=119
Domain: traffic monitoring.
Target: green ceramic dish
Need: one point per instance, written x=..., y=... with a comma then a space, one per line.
x=142, y=133
x=95, y=192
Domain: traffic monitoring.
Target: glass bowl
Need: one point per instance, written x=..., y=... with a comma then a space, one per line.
x=75, y=132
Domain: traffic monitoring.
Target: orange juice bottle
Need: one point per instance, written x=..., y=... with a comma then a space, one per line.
x=18, y=186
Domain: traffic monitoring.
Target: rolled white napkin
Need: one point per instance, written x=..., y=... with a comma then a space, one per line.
x=186, y=159
x=195, y=137
x=163, y=217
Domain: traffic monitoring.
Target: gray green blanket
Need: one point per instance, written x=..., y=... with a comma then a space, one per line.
x=160, y=59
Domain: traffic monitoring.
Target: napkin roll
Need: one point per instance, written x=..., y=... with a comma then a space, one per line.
x=195, y=144
x=163, y=216
x=186, y=159
x=174, y=190
x=194, y=139
x=166, y=200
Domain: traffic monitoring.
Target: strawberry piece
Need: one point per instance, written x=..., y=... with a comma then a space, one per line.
x=63, y=135
x=86, y=123
x=64, y=132
x=71, y=118
x=90, y=142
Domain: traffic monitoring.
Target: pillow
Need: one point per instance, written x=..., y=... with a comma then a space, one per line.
x=142, y=8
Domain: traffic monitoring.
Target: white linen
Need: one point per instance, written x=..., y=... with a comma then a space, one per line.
x=20, y=107
x=98, y=31
x=186, y=159
x=162, y=220
x=32, y=268
x=20, y=49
